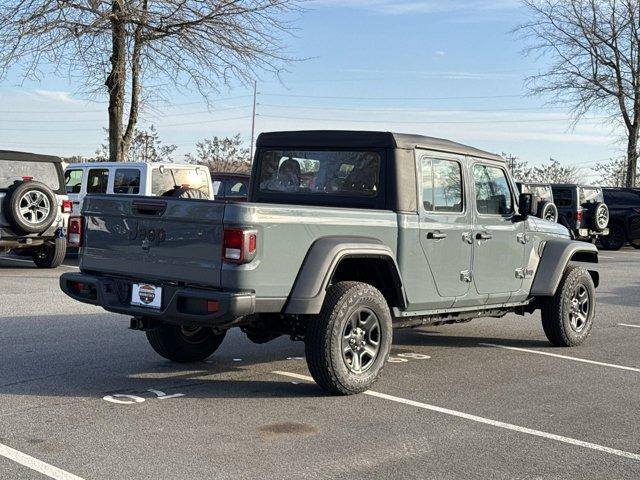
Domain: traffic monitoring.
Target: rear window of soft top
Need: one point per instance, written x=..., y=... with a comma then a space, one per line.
x=45, y=172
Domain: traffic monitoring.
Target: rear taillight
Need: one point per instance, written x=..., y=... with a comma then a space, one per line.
x=579, y=215
x=67, y=206
x=74, y=232
x=239, y=245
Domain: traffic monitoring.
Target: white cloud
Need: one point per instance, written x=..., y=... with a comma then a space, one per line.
x=58, y=96
x=439, y=53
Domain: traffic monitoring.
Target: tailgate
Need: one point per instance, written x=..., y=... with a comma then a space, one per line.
x=154, y=239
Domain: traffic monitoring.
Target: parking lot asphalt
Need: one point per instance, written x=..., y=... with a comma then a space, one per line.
x=81, y=396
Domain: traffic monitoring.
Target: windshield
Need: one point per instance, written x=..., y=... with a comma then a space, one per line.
x=45, y=172
x=165, y=179
x=349, y=173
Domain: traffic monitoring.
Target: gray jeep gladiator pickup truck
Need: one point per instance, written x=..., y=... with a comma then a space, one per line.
x=345, y=235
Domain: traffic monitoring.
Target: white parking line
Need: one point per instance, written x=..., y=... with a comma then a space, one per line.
x=565, y=357
x=628, y=325
x=486, y=421
x=35, y=464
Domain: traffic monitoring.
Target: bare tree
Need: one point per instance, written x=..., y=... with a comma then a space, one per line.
x=145, y=146
x=594, y=47
x=118, y=44
x=222, y=154
x=520, y=169
x=554, y=172
x=612, y=173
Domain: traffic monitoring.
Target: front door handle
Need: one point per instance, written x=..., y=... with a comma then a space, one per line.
x=436, y=235
x=483, y=236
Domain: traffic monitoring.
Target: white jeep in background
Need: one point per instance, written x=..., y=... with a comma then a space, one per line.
x=34, y=208
x=136, y=178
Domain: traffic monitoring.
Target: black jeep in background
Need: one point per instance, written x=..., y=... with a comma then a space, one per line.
x=624, y=224
x=582, y=209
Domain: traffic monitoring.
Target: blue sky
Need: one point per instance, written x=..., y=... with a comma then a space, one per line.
x=450, y=69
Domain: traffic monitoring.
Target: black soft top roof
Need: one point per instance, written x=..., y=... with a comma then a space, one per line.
x=364, y=139
x=27, y=157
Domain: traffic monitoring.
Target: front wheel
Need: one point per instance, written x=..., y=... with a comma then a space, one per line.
x=181, y=343
x=567, y=317
x=348, y=343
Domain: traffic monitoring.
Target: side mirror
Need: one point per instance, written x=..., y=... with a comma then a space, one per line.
x=527, y=205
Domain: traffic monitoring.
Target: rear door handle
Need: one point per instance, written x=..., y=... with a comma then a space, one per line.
x=483, y=236
x=436, y=235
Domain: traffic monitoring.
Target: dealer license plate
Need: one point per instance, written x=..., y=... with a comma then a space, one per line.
x=146, y=295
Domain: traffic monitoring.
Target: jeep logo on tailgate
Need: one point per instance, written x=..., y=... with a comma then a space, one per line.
x=148, y=235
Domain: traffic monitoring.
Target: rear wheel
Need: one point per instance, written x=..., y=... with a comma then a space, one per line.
x=348, y=343
x=51, y=255
x=180, y=343
x=567, y=317
x=615, y=240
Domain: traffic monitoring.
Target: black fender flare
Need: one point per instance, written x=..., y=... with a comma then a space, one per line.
x=556, y=255
x=322, y=259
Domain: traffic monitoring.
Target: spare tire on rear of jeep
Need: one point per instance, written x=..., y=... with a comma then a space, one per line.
x=598, y=217
x=30, y=207
x=548, y=211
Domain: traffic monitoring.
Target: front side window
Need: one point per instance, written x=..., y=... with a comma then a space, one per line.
x=165, y=179
x=493, y=195
x=97, y=180
x=73, y=180
x=127, y=181
x=325, y=172
x=441, y=185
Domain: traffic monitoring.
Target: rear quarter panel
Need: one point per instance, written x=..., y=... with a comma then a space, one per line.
x=285, y=235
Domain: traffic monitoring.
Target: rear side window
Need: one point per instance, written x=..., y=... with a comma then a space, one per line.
x=218, y=190
x=97, y=180
x=562, y=197
x=542, y=193
x=441, y=185
x=493, y=195
x=45, y=172
x=127, y=181
x=73, y=180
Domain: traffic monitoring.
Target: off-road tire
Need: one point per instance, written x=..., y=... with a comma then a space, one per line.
x=172, y=343
x=323, y=340
x=599, y=217
x=11, y=207
x=556, y=310
x=616, y=238
x=548, y=211
x=50, y=255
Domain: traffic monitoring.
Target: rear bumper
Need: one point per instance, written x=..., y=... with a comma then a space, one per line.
x=180, y=305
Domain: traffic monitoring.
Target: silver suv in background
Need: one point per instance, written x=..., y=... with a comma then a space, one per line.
x=33, y=207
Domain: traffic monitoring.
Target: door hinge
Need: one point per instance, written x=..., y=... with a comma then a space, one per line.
x=467, y=237
x=519, y=272
x=466, y=276
x=522, y=238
